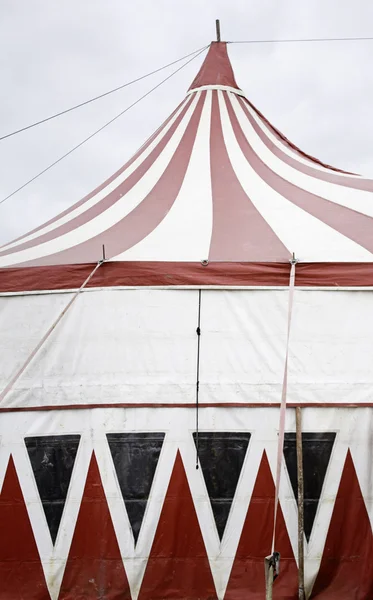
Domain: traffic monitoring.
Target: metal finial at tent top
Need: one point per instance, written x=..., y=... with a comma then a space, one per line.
x=217, y=23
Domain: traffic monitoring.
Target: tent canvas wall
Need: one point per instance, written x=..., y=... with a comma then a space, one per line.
x=100, y=496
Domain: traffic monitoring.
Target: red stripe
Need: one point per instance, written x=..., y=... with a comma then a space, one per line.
x=105, y=183
x=216, y=69
x=331, y=177
x=136, y=405
x=239, y=231
x=350, y=223
x=21, y=572
x=94, y=568
x=346, y=570
x=246, y=580
x=178, y=566
x=110, y=199
x=143, y=219
x=170, y=274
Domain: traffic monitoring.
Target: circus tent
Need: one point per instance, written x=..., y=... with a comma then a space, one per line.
x=167, y=285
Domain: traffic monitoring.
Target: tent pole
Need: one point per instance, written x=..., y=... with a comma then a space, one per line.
x=217, y=22
x=298, y=426
x=269, y=583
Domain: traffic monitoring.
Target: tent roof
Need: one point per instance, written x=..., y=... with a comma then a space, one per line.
x=216, y=68
x=216, y=182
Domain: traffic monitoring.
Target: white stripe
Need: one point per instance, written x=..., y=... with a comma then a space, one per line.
x=185, y=232
x=300, y=232
x=114, y=213
x=358, y=200
x=224, y=88
x=105, y=191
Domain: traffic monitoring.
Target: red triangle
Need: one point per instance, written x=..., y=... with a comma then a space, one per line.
x=346, y=570
x=21, y=572
x=247, y=577
x=94, y=568
x=216, y=69
x=178, y=566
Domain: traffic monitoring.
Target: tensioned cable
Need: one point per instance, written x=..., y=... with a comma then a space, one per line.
x=198, y=332
x=101, y=128
x=124, y=85
x=120, y=87
x=292, y=41
x=31, y=356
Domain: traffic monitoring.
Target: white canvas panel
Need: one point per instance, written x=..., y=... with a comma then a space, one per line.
x=243, y=346
x=23, y=322
x=140, y=346
x=111, y=346
x=331, y=347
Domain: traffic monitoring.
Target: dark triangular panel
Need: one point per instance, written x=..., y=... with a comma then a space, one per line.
x=135, y=457
x=52, y=459
x=221, y=455
x=317, y=448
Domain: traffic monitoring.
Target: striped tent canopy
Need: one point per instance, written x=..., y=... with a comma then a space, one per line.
x=218, y=183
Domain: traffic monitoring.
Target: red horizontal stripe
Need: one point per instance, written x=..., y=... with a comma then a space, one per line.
x=169, y=274
x=192, y=406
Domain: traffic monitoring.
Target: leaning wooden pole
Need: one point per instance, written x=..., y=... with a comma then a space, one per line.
x=298, y=425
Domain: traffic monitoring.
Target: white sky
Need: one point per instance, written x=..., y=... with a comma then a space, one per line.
x=56, y=54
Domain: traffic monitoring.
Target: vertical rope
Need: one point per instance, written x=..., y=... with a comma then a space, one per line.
x=299, y=446
x=198, y=331
x=18, y=374
x=281, y=433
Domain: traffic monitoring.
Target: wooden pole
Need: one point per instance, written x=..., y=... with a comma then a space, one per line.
x=298, y=428
x=217, y=30
x=269, y=583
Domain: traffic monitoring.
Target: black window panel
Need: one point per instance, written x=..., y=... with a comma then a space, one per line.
x=317, y=448
x=135, y=457
x=221, y=456
x=52, y=459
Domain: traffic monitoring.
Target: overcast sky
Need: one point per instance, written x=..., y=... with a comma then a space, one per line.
x=56, y=54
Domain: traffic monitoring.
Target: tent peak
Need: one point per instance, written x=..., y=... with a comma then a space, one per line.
x=216, y=68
